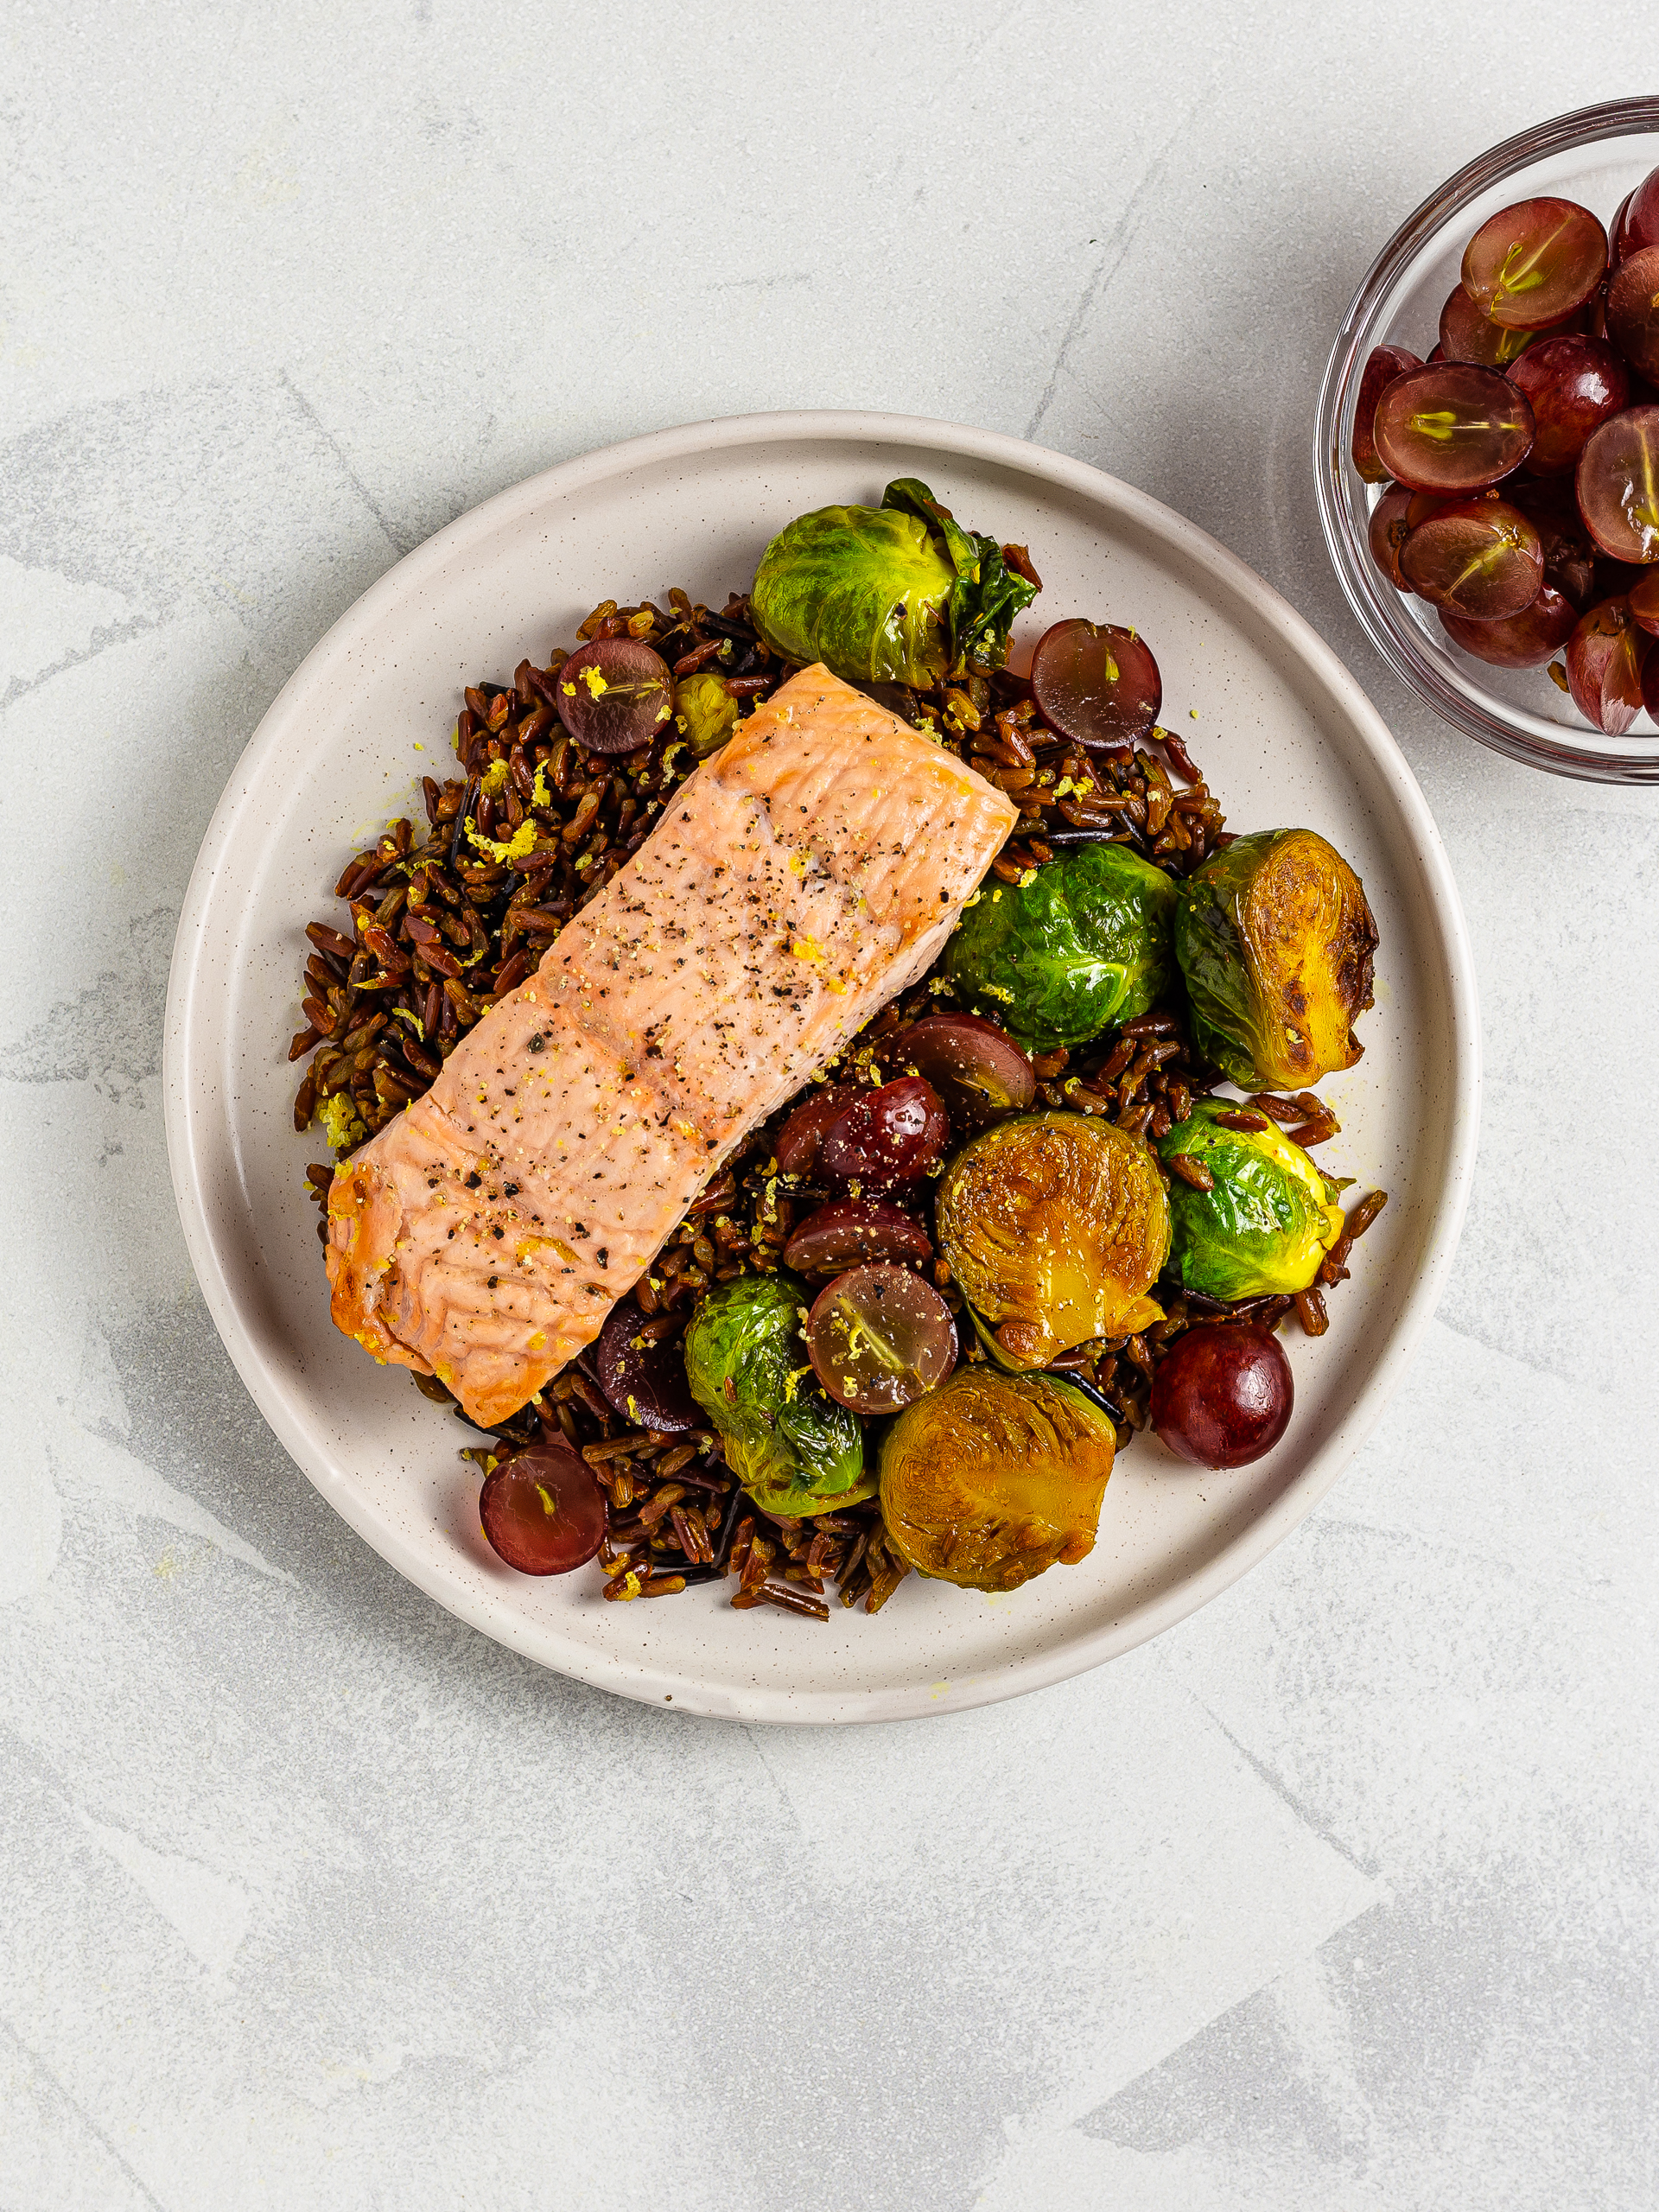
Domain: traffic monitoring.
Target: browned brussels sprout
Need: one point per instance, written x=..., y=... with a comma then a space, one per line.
x=992, y=1477
x=1275, y=942
x=1056, y=1226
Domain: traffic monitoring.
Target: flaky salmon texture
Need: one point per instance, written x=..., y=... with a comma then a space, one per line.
x=800, y=879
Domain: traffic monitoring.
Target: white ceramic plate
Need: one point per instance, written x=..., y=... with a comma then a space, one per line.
x=1285, y=736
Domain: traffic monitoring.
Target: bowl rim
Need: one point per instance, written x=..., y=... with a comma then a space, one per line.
x=1362, y=584
x=195, y=1098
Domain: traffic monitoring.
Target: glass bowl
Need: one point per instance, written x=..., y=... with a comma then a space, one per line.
x=1594, y=156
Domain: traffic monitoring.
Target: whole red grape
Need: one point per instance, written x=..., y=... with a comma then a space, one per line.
x=1223, y=1396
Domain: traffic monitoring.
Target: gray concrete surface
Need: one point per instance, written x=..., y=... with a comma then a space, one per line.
x=1342, y=1894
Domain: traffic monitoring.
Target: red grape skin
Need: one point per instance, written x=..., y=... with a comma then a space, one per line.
x=1390, y=530
x=797, y=1148
x=1531, y=264
x=1650, y=685
x=1223, y=1396
x=1617, y=485
x=1644, y=604
x=1638, y=220
x=980, y=1073
x=849, y=1231
x=887, y=1137
x=541, y=1510
x=1095, y=683
x=1384, y=364
x=644, y=1382
x=1604, y=658
x=1480, y=558
x=879, y=1337
x=1633, y=311
x=614, y=695
x=1453, y=428
x=1524, y=640
x=1574, y=385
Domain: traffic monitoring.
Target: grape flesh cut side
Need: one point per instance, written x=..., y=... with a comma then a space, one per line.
x=614, y=695
x=1453, y=427
x=879, y=1337
x=1481, y=559
x=1097, y=683
x=1531, y=264
x=1617, y=485
x=1633, y=311
x=1466, y=334
x=980, y=1074
x=541, y=1510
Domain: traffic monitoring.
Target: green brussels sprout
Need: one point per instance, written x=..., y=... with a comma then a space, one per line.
x=1275, y=942
x=898, y=594
x=706, y=711
x=1055, y=1225
x=992, y=1477
x=1266, y=1223
x=1087, y=942
x=790, y=1446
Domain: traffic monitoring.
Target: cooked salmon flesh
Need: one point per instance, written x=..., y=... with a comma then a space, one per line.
x=797, y=880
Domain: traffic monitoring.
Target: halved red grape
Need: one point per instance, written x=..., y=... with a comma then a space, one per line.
x=887, y=1137
x=1095, y=683
x=644, y=1379
x=1551, y=506
x=1481, y=558
x=879, y=1338
x=797, y=1148
x=1604, y=658
x=1424, y=504
x=1466, y=335
x=1390, y=530
x=1453, y=427
x=1574, y=385
x=614, y=695
x=1223, y=1396
x=541, y=1510
x=849, y=1231
x=1644, y=604
x=978, y=1070
x=1524, y=640
x=1383, y=365
x=1617, y=485
x=1633, y=311
x=1532, y=263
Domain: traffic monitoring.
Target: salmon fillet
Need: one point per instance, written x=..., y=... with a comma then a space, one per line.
x=796, y=882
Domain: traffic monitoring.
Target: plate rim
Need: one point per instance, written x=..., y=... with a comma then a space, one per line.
x=184, y=1111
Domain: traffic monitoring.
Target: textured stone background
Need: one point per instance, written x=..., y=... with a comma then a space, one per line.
x=1342, y=1894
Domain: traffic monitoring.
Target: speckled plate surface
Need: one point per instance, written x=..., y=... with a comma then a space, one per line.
x=1284, y=735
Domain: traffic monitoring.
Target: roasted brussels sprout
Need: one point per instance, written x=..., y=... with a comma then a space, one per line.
x=1087, y=942
x=992, y=1477
x=898, y=594
x=705, y=711
x=1266, y=1222
x=791, y=1446
x=1275, y=941
x=1055, y=1225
